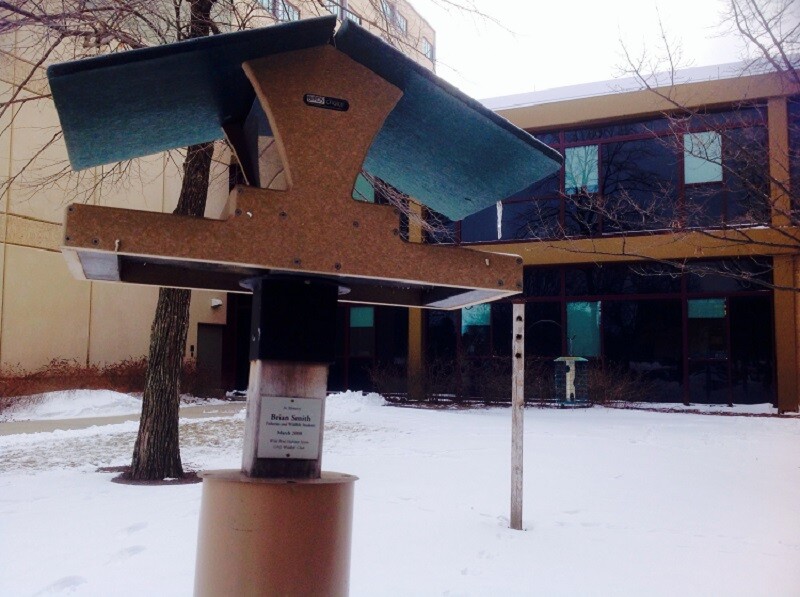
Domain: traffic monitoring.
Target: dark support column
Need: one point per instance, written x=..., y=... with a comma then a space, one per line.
x=292, y=344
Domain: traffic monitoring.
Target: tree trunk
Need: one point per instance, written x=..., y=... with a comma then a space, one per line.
x=156, y=453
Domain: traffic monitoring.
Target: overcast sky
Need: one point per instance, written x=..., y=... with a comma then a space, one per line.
x=545, y=44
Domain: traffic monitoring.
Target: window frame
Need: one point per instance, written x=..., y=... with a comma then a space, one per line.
x=428, y=49
x=284, y=11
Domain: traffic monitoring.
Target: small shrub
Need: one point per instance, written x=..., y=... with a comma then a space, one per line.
x=489, y=381
x=617, y=383
x=61, y=374
x=388, y=379
x=539, y=381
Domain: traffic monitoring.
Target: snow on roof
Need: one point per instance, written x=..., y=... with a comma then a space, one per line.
x=626, y=84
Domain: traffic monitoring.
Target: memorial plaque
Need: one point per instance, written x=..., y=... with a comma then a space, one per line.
x=289, y=428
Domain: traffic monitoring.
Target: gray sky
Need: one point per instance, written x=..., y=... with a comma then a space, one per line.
x=554, y=43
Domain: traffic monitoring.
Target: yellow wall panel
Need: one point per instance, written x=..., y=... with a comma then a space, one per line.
x=121, y=317
x=218, y=182
x=2, y=269
x=139, y=186
x=45, y=311
x=33, y=233
x=173, y=175
x=34, y=125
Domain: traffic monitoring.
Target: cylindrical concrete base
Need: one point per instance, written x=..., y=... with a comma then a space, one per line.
x=274, y=536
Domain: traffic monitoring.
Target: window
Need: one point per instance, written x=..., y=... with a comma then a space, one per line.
x=284, y=11
x=708, y=330
x=583, y=329
x=580, y=169
x=475, y=322
x=440, y=335
x=339, y=8
x=645, y=337
x=428, y=50
x=532, y=219
x=400, y=22
x=543, y=329
x=480, y=226
x=393, y=16
x=702, y=157
x=349, y=14
x=334, y=7
x=363, y=190
x=640, y=185
x=362, y=331
x=794, y=153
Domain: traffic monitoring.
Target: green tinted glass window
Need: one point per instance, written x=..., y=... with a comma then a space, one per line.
x=476, y=315
x=707, y=308
x=580, y=174
x=362, y=317
x=702, y=157
x=363, y=190
x=583, y=328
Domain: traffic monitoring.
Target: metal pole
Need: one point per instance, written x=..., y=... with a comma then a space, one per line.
x=517, y=413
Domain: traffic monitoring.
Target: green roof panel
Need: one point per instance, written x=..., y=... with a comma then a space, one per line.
x=438, y=145
x=121, y=106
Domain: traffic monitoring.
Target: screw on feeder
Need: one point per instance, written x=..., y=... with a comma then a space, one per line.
x=355, y=224
x=283, y=215
x=395, y=231
x=500, y=282
x=297, y=261
x=337, y=266
x=95, y=241
x=238, y=212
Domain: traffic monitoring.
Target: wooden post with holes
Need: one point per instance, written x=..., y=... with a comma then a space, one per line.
x=517, y=413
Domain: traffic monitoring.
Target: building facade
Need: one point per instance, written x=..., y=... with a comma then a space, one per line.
x=666, y=246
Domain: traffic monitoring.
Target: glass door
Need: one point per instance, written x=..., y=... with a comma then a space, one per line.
x=709, y=349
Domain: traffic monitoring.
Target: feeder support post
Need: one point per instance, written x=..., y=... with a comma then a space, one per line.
x=517, y=413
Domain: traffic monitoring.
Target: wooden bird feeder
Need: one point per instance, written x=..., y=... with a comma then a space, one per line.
x=314, y=109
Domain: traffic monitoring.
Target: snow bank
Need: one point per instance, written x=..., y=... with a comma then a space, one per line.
x=85, y=404
x=73, y=404
x=722, y=409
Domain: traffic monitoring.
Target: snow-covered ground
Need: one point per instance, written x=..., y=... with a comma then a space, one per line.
x=617, y=502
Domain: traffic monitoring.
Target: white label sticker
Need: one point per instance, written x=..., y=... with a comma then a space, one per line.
x=289, y=428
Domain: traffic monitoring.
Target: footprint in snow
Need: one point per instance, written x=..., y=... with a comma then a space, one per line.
x=67, y=583
x=128, y=552
x=135, y=528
